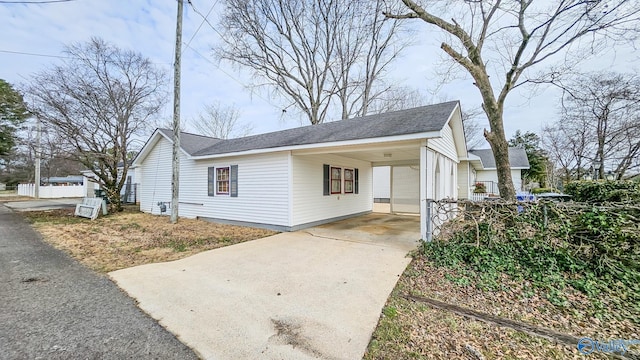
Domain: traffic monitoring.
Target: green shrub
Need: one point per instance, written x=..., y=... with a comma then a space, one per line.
x=603, y=191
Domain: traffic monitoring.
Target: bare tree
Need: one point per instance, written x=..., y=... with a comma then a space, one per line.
x=98, y=99
x=220, y=121
x=510, y=39
x=601, y=112
x=568, y=147
x=324, y=56
x=473, y=130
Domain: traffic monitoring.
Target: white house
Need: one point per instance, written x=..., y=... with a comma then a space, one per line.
x=296, y=178
x=480, y=167
x=128, y=191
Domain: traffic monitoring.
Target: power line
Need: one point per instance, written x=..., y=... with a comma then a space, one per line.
x=35, y=54
x=233, y=78
x=188, y=45
x=57, y=56
x=204, y=19
x=34, y=2
x=202, y=22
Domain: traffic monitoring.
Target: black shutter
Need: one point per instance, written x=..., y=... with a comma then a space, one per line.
x=233, y=184
x=355, y=181
x=211, y=181
x=327, y=180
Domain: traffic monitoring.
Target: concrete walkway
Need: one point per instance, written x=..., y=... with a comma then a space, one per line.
x=288, y=296
x=51, y=307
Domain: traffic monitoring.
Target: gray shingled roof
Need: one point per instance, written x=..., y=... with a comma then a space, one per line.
x=411, y=121
x=192, y=143
x=517, y=157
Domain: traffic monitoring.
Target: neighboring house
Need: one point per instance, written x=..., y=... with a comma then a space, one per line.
x=480, y=167
x=296, y=178
x=128, y=192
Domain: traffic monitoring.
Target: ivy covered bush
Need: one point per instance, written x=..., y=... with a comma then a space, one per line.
x=593, y=248
x=603, y=191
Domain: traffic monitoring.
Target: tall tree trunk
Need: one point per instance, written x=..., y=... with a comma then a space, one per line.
x=500, y=148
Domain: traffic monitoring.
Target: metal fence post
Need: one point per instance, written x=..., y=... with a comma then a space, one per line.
x=429, y=222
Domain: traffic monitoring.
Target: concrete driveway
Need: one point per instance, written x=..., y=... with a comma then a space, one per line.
x=43, y=204
x=312, y=294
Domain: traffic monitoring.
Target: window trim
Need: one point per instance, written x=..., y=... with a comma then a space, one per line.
x=352, y=181
x=332, y=179
x=228, y=181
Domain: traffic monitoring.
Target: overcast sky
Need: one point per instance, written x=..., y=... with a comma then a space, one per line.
x=148, y=26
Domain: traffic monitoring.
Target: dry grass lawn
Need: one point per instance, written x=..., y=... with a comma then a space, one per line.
x=133, y=238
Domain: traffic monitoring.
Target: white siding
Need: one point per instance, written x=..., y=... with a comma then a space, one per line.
x=263, y=190
x=154, y=177
x=516, y=176
x=443, y=175
x=464, y=180
x=263, y=193
x=487, y=175
x=309, y=203
x=405, y=189
x=492, y=175
x=381, y=182
x=445, y=145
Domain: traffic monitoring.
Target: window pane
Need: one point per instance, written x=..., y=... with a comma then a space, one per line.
x=335, y=173
x=223, y=173
x=348, y=186
x=335, y=186
x=222, y=180
x=348, y=174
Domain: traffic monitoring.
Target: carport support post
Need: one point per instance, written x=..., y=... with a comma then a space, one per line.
x=424, y=216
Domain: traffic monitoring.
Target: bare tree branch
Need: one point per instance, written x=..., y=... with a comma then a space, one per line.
x=522, y=35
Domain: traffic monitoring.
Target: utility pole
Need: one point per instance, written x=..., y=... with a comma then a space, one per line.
x=36, y=190
x=175, y=179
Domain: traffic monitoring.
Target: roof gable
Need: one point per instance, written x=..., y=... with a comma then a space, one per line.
x=191, y=143
x=517, y=158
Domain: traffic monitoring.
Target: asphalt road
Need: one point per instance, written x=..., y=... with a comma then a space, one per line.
x=51, y=307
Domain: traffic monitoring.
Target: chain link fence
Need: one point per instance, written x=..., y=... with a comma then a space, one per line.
x=600, y=232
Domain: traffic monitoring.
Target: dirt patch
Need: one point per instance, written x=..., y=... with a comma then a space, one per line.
x=132, y=238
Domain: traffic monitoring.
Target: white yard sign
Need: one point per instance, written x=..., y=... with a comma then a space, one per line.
x=90, y=208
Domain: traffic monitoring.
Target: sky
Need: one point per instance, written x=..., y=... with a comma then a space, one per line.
x=34, y=34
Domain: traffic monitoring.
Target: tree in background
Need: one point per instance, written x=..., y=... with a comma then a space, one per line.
x=98, y=99
x=499, y=43
x=221, y=121
x=327, y=58
x=12, y=113
x=538, y=159
x=601, y=111
x=18, y=165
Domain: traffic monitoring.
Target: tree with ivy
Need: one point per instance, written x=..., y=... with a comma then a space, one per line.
x=538, y=158
x=12, y=113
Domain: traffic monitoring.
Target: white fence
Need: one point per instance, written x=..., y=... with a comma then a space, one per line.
x=52, y=192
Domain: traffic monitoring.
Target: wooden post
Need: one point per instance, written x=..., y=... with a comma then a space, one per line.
x=175, y=178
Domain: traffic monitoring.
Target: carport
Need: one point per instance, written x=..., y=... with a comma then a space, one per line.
x=397, y=231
